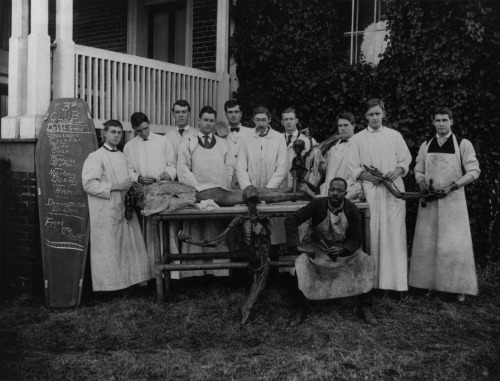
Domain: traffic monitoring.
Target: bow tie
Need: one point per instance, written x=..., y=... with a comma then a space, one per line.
x=343, y=141
x=181, y=131
x=235, y=129
x=110, y=150
x=145, y=140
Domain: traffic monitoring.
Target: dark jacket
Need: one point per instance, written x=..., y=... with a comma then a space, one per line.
x=317, y=211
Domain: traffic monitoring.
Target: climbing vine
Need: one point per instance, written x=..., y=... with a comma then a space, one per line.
x=292, y=52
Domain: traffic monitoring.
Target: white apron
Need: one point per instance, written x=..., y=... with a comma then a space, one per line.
x=321, y=278
x=208, y=167
x=442, y=258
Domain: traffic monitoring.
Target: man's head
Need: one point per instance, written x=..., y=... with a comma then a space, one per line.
x=232, y=108
x=336, y=191
x=113, y=132
x=345, y=124
x=289, y=120
x=140, y=124
x=181, y=110
x=442, y=120
x=261, y=118
x=375, y=111
x=206, y=123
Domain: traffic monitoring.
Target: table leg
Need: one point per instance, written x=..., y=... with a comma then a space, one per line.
x=160, y=297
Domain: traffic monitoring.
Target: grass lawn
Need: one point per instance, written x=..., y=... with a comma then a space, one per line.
x=196, y=336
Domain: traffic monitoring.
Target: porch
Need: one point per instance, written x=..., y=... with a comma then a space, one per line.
x=114, y=84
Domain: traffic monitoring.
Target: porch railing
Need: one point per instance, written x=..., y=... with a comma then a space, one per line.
x=115, y=85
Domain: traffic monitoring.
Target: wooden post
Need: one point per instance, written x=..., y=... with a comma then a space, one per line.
x=64, y=53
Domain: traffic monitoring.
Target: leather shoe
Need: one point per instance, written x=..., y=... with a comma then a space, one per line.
x=366, y=314
x=297, y=319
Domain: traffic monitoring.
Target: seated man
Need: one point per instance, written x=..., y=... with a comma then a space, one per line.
x=331, y=264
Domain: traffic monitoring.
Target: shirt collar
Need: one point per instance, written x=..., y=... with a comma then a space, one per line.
x=336, y=210
x=265, y=134
x=185, y=128
x=210, y=135
x=444, y=137
x=108, y=147
x=372, y=130
x=295, y=134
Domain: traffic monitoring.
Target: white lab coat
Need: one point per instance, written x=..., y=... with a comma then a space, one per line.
x=176, y=139
x=337, y=165
x=150, y=158
x=234, y=139
x=118, y=256
x=386, y=150
x=262, y=161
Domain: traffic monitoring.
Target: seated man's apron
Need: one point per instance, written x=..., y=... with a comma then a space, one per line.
x=321, y=278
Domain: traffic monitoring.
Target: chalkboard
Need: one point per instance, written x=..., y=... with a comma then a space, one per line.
x=65, y=140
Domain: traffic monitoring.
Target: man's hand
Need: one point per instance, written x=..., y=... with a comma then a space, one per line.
x=333, y=252
x=146, y=180
x=309, y=251
x=449, y=188
x=165, y=176
x=124, y=185
x=424, y=189
x=365, y=176
x=393, y=175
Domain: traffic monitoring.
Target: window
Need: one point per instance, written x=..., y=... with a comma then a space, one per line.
x=365, y=39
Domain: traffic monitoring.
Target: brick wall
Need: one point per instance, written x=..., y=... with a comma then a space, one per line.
x=21, y=257
x=93, y=19
x=204, y=34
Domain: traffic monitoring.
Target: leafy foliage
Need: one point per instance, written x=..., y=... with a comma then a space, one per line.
x=440, y=53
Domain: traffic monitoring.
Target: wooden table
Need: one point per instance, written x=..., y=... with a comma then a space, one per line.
x=164, y=265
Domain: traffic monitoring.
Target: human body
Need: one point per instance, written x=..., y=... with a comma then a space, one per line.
x=442, y=255
x=118, y=255
x=385, y=149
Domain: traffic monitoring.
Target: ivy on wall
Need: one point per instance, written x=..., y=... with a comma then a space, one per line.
x=447, y=53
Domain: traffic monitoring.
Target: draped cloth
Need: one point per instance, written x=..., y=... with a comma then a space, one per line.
x=321, y=278
x=118, y=257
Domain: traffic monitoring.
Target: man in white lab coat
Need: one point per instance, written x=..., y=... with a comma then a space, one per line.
x=118, y=257
x=262, y=158
x=204, y=162
x=384, y=148
x=237, y=133
x=181, y=109
x=150, y=158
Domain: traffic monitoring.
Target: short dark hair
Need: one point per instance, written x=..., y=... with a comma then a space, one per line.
x=137, y=119
x=231, y=103
x=443, y=111
x=182, y=103
x=261, y=110
x=288, y=110
x=374, y=102
x=112, y=123
x=347, y=116
x=207, y=110
x=338, y=179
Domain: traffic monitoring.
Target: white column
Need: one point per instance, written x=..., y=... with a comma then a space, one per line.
x=18, y=57
x=38, y=95
x=222, y=54
x=64, y=53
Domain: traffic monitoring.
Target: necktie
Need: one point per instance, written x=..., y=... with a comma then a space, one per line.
x=205, y=143
x=181, y=131
x=289, y=140
x=235, y=129
x=110, y=150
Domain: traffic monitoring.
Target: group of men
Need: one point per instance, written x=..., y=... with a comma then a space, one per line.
x=442, y=257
